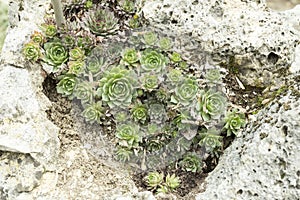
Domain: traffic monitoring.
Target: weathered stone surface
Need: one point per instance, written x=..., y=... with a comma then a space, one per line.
x=3, y=21
x=28, y=140
x=260, y=41
x=19, y=173
x=24, y=125
x=24, y=18
x=263, y=162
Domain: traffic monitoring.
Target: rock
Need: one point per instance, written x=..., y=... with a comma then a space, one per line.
x=24, y=124
x=262, y=163
x=246, y=35
x=29, y=143
x=24, y=18
x=19, y=173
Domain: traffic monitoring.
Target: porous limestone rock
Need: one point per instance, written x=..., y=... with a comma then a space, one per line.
x=24, y=17
x=263, y=161
x=32, y=164
x=29, y=143
x=259, y=42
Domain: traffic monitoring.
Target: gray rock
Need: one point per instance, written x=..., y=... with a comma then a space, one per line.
x=259, y=42
x=19, y=173
x=28, y=140
x=263, y=162
x=24, y=127
x=24, y=18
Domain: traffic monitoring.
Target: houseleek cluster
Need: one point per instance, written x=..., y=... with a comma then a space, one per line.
x=151, y=92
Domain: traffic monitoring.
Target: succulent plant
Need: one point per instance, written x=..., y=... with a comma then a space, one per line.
x=31, y=51
x=49, y=30
x=157, y=113
x=68, y=41
x=174, y=76
x=150, y=82
x=88, y=4
x=172, y=182
x=101, y=22
x=210, y=105
x=128, y=134
x=93, y=112
x=165, y=44
x=130, y=56
x=191, y=163
x=161, y=94
x=134, y=22
x=76, y=54
x=139, y=113
x=38, y=38
x=154, y=179
x=150, y=38
x=84, y=92
x=175, y=57
x=117, y=88
x=95, y=63
x=86, y=42
x=127, y=5
x=234, y=121
x=213, y=75
x=154, y=145
x=153, y=61
x=153, y=128
x=76, y=67
x=115, y=50
x=183, y=65
x=123, y=154
x=210, y=139
x=55, y=53
x=185, y=92
x=162, y=189
x=66, y=85
x=121, y=117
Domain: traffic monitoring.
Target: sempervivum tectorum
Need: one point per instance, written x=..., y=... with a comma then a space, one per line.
x=101, y=22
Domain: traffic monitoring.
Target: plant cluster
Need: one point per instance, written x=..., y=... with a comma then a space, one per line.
x=153, y=100
x=156, y=181
x=162, y=108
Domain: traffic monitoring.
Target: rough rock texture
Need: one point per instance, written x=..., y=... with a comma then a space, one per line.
x=24, y=125
x=28, y=140
x=259, y=40
x=263, y=162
